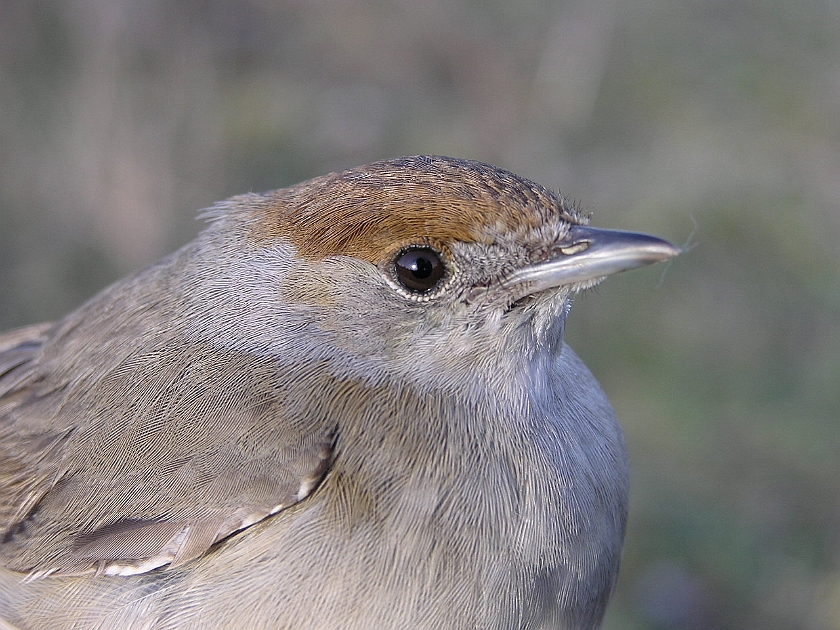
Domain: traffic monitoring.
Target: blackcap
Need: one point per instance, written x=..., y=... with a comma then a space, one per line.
x=346, y=405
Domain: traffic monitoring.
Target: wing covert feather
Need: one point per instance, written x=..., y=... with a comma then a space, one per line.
x=148, y=458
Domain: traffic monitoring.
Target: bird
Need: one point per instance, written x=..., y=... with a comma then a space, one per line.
x=347, y=404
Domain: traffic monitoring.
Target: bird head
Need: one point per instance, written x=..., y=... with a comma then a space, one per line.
x=413, y=262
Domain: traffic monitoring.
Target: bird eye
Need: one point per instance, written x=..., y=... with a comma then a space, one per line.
x=418, y=269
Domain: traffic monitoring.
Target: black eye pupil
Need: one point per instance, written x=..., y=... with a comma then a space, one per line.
x=422, y=268
x=419, y=269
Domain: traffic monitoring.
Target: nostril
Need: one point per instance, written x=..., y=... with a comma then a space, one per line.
x=573, y=248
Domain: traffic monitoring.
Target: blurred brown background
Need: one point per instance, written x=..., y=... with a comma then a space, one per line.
x=708, y=122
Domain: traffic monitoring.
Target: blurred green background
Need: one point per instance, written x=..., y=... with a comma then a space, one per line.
x=715, y=124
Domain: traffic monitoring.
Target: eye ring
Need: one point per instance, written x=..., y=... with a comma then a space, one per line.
x=418, y=269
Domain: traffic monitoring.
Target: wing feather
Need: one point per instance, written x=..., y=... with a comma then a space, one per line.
x=144, y=457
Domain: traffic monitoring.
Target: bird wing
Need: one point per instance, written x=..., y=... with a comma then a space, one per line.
x=140, y=455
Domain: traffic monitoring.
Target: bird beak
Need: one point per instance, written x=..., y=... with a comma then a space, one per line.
x=588, y=255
